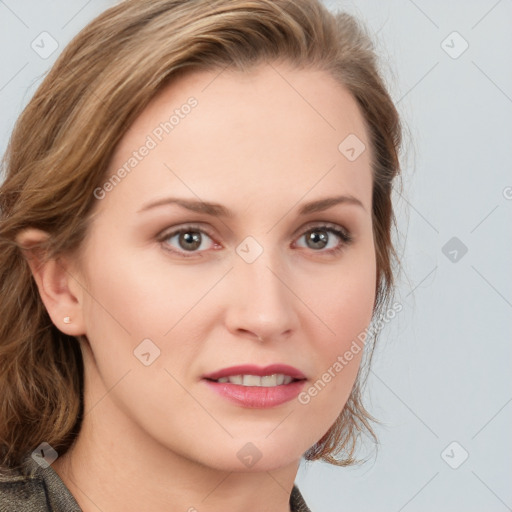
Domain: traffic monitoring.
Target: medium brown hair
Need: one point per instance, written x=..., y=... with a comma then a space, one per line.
x=62, y=144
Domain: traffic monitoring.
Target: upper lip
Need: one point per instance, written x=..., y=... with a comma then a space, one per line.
x=250, y=369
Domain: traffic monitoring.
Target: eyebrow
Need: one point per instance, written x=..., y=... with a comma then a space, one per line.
x=218, y=210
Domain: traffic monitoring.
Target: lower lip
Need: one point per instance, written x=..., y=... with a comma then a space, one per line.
x=257, y=397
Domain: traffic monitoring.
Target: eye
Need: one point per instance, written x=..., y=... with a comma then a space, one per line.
x=194, y=240
x=191, y=239
x=320, y=237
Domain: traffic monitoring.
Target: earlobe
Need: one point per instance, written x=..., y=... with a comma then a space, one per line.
x=55, y=282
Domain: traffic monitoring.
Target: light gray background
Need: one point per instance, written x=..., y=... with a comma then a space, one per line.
x=442, y=369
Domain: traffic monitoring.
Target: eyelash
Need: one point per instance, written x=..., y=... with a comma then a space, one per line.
x=344, y=235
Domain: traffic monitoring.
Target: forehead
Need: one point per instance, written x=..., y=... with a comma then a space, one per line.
x=274, y=131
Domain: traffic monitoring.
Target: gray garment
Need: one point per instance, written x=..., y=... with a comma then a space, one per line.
x=35, y=489
x=38, y=489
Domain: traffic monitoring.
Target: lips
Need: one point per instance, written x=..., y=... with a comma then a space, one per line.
x=257, y=387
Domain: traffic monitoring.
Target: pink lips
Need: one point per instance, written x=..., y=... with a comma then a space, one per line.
x=259, y=397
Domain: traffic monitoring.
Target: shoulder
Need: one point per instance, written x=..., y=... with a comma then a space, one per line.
x=21, y=490
x=297, y=503
x=32, y=487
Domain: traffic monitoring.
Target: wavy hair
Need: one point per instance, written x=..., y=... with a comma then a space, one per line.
x=63, y=141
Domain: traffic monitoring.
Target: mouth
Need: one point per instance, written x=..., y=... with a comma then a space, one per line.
x=267, y=381
x=257, y=387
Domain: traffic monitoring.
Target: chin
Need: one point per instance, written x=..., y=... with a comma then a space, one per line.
x=261, y=454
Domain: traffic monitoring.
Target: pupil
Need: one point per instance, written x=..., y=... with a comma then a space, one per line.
x=318, y=238
x=192, y=238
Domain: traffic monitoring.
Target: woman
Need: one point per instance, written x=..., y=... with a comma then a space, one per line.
x=195, y=240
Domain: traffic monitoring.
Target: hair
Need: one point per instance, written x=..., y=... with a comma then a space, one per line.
x=63, y=141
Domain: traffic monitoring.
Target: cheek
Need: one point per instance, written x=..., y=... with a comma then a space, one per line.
x=348, y=302
x=133, y=298
x=345, y=305
x=136, y=298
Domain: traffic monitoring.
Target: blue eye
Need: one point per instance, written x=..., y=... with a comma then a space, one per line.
x=194, y=240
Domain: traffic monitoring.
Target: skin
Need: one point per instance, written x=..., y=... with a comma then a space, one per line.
x=261, y=143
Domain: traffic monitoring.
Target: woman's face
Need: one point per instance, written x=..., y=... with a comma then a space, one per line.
x=164, y=310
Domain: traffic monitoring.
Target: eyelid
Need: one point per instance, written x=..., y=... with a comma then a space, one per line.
x=324, y=224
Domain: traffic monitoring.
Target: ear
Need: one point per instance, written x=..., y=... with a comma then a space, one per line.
x=57, y=282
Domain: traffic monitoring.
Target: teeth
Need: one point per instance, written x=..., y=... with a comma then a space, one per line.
x=267, y=381
x=235, y=379
x=252, y=380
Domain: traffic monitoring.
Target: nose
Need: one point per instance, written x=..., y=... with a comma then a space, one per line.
x=262, y=303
